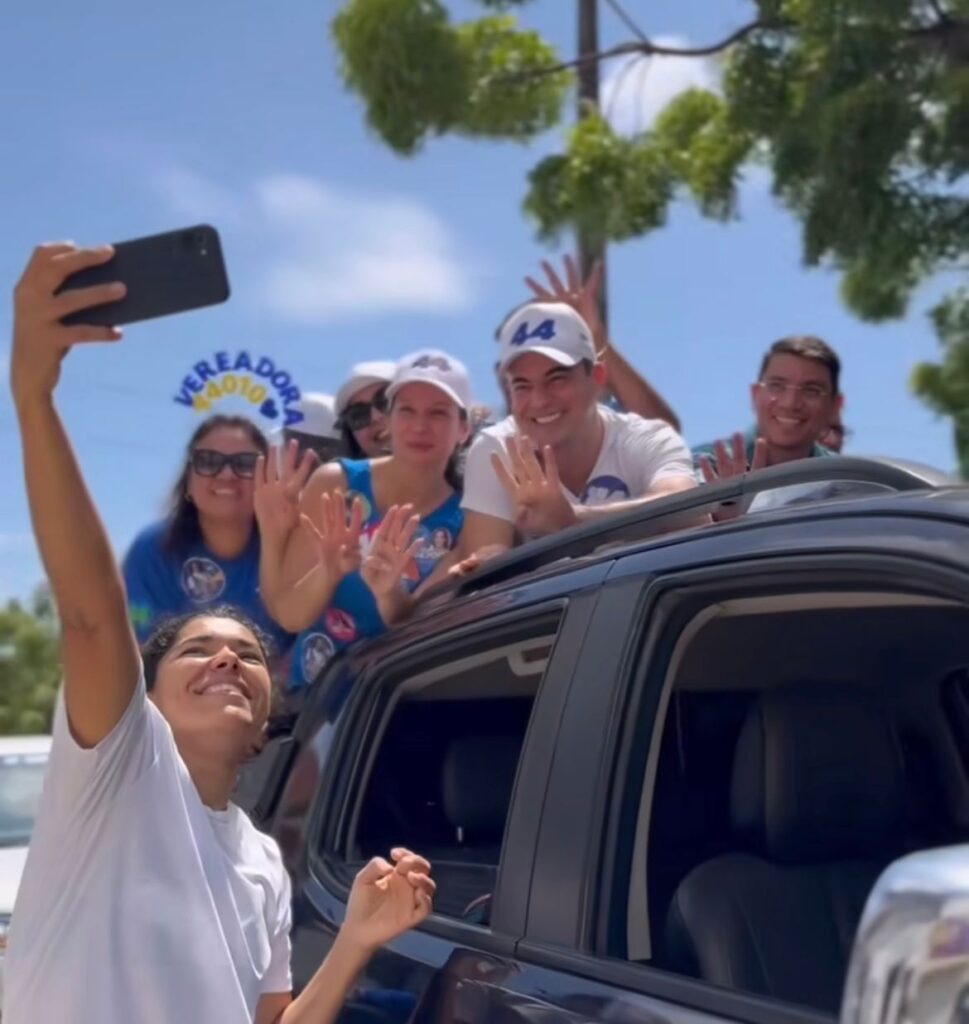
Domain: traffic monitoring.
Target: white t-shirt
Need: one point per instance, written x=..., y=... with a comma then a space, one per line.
x=138, y=903
x=636, y=453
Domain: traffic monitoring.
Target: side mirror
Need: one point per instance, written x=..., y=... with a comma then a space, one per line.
x=910, y=963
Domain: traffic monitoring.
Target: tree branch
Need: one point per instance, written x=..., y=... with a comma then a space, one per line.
x=649, y=48
x=946, y=28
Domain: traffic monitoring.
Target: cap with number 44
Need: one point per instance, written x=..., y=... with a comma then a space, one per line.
x=552, y=329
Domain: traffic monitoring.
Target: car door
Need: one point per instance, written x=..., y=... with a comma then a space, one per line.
x=892, y=593
x=433, y=729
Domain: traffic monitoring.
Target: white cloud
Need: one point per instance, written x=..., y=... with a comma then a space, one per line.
x=637, y=88
x=322, y=253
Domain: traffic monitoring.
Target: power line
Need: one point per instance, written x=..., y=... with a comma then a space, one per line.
x=627, y=20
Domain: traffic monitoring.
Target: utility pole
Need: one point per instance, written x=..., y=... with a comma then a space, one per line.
x=590, y=249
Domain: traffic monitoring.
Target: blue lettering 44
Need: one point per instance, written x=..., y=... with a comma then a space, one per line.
x=545, y=331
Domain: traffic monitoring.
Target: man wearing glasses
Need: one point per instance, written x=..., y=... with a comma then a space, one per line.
x=796, y=398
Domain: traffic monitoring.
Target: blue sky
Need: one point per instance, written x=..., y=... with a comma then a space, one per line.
x=122, y=120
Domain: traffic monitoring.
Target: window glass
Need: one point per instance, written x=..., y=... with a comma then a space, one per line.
x=803, y=744
x=441, y=775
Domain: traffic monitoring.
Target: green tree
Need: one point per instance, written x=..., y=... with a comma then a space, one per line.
x=859, y=109
x=30, y=669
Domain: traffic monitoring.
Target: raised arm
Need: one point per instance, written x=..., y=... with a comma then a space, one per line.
x=303, y=557
x=100, y=656
x=634, y=392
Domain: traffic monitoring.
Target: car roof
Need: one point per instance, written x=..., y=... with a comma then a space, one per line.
x=24, y=745
x=908, y=489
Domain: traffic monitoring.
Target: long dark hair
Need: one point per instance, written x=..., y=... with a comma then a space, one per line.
x=184, y=529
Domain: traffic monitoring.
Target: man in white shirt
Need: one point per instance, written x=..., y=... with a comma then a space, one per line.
x=561, y=457
x=147, y=896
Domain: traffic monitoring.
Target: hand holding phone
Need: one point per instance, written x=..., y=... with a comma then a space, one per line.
x=163, y=274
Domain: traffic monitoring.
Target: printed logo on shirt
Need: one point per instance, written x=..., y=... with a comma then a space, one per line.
x=603, y=490
x=340, y=625
x=202, y=579
x=318, y=649
x=434, y=545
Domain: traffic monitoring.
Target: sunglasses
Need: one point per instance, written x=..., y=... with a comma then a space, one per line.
x=359, y=415
x=207, y=462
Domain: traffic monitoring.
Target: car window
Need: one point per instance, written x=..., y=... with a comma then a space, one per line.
x=440, y=774
x=803, y=743
x=21, y=783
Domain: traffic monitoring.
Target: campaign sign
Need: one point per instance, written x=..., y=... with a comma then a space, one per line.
x=240, y=375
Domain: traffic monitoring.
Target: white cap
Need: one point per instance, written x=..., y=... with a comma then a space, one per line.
x=362, y=376
x=319, y=415
x=431, y=366
x=551, y=329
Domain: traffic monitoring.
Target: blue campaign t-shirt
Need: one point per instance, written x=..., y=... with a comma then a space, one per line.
x=161, y=583
x=353, y=613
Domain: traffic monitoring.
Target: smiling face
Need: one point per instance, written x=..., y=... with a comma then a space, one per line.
x=550, y=402
x=213, y=684
x=794, y=404
x=374, y=439
x=426, y=426
x=226, y=495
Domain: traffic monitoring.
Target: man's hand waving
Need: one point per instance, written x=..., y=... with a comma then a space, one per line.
x=541, y=506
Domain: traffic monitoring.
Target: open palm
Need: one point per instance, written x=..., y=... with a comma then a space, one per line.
x=279, y=479
x=337, y=537
x=391, y=551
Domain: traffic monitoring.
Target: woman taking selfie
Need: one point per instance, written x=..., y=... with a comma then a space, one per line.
x=147, y=896
x=310, y=576
x=206, y=550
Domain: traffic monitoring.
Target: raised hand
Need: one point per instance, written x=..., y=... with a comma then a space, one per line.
x=733, y=461
x=337, y=538
x=582, y=296
x=40, y=340
x=541, y=506
x=279, y=481
x=388, y=899
x=391, y=550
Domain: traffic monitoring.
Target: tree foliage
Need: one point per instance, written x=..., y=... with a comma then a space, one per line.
x=29, y=666
x=859, y=109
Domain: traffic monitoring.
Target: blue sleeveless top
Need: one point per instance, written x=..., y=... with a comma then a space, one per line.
x=353, y=613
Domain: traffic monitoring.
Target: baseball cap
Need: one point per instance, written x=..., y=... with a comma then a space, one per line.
x=431, y=366
x=552, y=329
x=319, y=415
x=361, y=376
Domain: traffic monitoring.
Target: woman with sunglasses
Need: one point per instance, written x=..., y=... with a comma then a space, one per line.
x=206, y=550
x=361, y=409
x=311, y=555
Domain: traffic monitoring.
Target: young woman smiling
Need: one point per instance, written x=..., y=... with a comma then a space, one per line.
x=147, y=896
x=311, y=557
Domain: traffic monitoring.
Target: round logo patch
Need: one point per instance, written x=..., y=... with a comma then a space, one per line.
x=604, y=489
x=340, y=625
x=202, y=579
x=317, y=650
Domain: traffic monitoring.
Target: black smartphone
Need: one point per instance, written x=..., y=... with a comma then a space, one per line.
x=168, y=273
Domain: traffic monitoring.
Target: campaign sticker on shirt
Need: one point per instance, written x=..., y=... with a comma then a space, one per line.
x=340, y=625
x=318, y=649
x=602, y=490
x=202, y=579
x=435, y=544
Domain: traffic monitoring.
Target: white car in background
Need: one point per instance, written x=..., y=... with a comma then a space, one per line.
x=23, y=760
